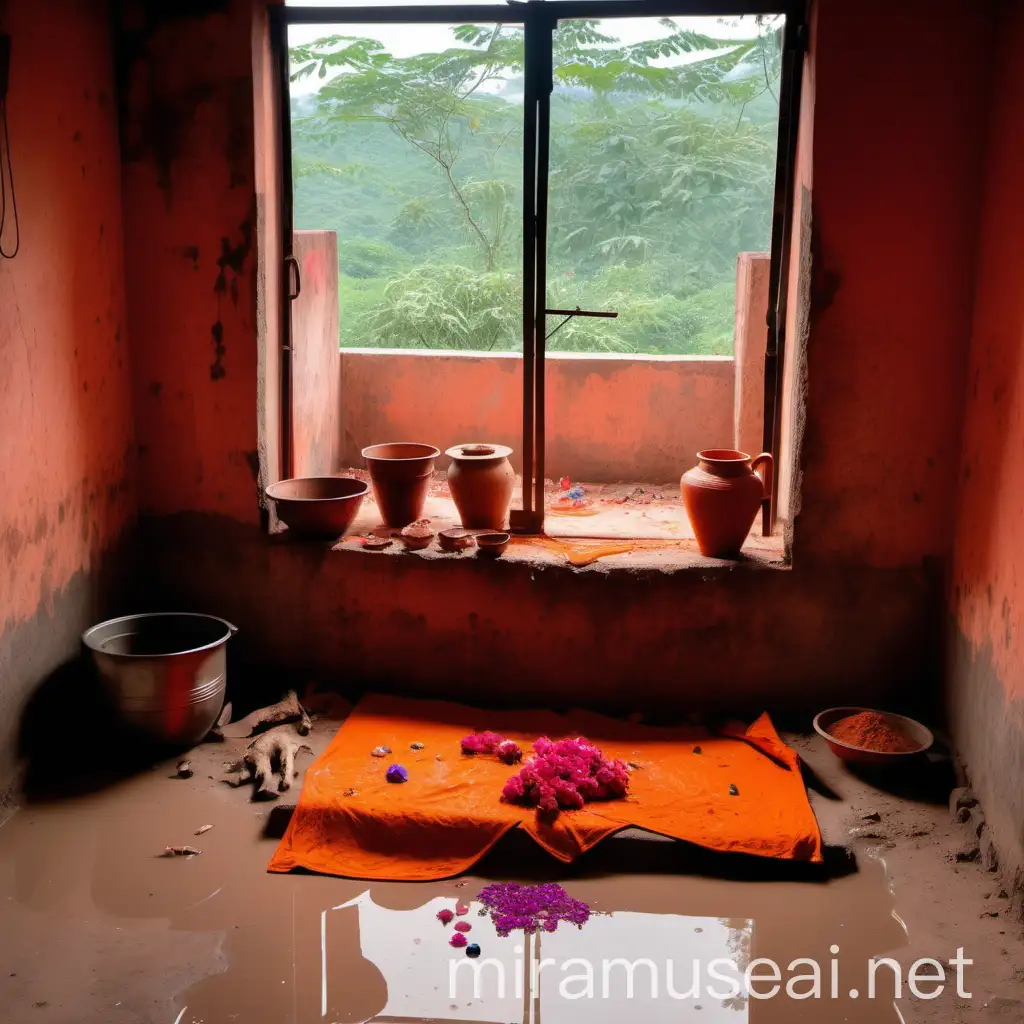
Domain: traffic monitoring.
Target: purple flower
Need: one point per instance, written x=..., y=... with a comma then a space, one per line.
x=396, y=773
x=526, y=908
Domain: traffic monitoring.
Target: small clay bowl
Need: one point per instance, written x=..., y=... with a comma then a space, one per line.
x=861, y=755
x=492, y=545
x=456, y=539
x=417, y=536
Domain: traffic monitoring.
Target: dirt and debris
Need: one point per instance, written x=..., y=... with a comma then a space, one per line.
x=184, y=770
x=733, y=791
x=417, y=746
x=202, y=828
x=381, y=751
x=180, y=851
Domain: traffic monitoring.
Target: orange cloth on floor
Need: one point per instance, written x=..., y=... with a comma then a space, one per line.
x=450, y=813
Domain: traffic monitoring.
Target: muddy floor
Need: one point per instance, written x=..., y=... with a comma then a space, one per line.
x=98, y=927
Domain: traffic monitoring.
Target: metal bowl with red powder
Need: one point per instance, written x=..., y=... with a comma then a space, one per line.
x=918, y=737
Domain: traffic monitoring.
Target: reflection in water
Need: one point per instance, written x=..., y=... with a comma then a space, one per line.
x=216, y=939
x=653, y=966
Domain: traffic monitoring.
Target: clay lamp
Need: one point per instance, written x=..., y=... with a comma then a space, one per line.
x=492, y=545
x=418, y=535
x=456, y=539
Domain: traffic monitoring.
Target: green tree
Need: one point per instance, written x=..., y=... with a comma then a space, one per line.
x=661, y=172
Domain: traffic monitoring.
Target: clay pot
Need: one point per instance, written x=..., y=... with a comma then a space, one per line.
x=722, y=495
x=400, y=475
x=481, y=481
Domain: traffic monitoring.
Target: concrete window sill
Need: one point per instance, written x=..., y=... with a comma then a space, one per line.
x=642, y=528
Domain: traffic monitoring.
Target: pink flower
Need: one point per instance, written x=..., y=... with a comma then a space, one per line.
x=463, y=926
x=509, y=751
x=566, y=774
x=481, y=742
x=445, y=916
x=461, y=909
x=458, y=940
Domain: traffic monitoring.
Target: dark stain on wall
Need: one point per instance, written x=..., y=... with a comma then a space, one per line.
x=230, y=264
x=153, y=116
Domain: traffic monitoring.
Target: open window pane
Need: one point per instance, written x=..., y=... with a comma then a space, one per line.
x=663, y=140
x=407, y=165
x=407, y=142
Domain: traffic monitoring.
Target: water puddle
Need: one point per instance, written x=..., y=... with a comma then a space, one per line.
x=98, y=927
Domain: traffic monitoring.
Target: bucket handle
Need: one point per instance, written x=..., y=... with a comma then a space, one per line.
x=232, y=628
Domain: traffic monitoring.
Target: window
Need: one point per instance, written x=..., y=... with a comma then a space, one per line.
x=469, y=200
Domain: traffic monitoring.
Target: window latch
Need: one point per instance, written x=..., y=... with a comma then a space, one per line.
x=292, y=265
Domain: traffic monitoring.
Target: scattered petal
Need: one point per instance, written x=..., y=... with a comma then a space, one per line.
x=461, y=909
x=445, y=916
x=458, y=940
x=528, y=907
x=463, y=926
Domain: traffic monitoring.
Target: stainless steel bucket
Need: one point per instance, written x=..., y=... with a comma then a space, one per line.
x=166, y=672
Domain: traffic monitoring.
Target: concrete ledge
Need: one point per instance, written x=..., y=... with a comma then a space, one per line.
x=609, y=418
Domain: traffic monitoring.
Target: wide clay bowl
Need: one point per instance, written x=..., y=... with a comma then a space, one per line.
x=860, y=755
x=318, y=507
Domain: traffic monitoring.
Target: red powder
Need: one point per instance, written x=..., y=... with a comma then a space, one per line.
x=872, y=731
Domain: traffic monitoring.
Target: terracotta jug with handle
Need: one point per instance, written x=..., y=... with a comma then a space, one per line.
x=722, y=495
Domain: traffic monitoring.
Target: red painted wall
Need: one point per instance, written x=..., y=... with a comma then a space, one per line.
x=897, y=158
x=65, y=401
x=987, y=599
x=190, y=226
x=894, y=216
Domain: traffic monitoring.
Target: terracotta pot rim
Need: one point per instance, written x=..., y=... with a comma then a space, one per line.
x=359, y=491
x=429, y=452
x=726, y=456
x=495, y=451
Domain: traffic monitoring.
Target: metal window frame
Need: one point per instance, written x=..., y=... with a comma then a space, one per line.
x=539, y=19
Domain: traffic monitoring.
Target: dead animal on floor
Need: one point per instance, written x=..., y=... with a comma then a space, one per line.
x=270, y=754
x=286, y=710
x=181, y=851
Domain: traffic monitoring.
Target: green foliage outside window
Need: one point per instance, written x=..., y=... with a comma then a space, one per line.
x=661, y=173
